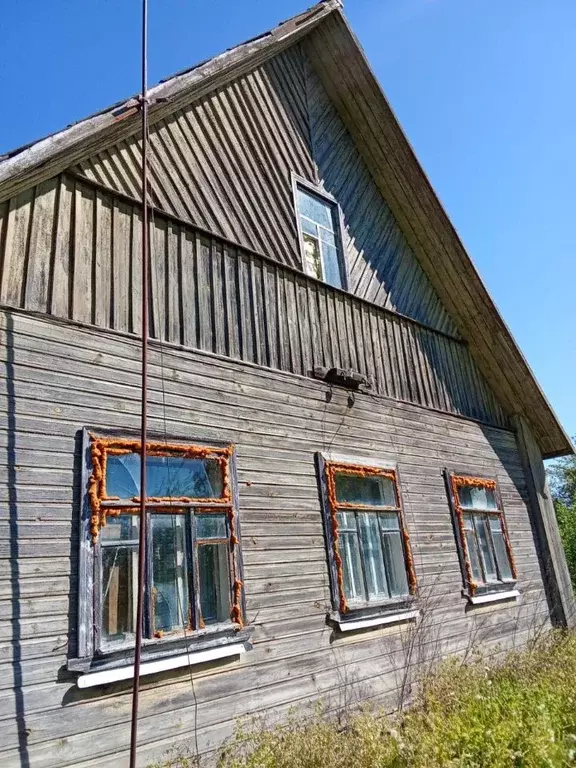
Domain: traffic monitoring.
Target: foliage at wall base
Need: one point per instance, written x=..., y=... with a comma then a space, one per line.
x=520, y=712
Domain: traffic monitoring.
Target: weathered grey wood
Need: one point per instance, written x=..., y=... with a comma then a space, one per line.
x=303, y=321
x=81, y=291
x=40, y=246
x=551, y=551
x=377, y=135
x=240, y=333
x=15, y=241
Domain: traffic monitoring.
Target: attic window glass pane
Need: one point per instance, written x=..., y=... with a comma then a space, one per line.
x=321, y=244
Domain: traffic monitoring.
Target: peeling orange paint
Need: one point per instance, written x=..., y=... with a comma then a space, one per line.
x=236, y=612
x=101, y=448
x=459, y=481
x=332, y=469
x=473, y=482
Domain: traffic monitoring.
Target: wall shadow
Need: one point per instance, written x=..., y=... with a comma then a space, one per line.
x=522, y=488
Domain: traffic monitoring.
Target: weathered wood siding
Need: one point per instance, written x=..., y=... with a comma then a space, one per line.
x=56, y=378
x=225, y=163
x=72, y=250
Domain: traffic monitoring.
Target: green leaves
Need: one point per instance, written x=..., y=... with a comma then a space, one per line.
x=562, y=479
x=519, y=713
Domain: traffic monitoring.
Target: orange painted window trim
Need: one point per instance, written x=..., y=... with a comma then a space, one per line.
x=102, y=447
x=470, y=481
x=333, y=468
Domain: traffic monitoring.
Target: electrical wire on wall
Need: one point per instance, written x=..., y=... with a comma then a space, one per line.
x=142, y=542
x=182, y=610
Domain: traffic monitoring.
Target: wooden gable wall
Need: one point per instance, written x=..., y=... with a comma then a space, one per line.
x=71, y=250
x=225, y=162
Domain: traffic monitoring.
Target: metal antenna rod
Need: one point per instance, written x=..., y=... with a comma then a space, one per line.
x=144, y=391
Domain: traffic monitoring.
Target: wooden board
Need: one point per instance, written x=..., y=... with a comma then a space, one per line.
x=60, y=378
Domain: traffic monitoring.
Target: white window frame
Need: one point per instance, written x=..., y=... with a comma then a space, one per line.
x=326, y=197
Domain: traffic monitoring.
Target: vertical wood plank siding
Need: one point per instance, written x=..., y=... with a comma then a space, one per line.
x=56, y=378
x=218, y=298
x=225, y=162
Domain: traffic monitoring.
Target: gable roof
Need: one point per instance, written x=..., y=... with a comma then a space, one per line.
x=346, y=75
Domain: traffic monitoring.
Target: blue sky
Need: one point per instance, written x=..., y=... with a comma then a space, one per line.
x=483, y=88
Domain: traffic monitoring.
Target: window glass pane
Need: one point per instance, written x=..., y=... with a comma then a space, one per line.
x=468, y=522
x=315, y=209
x=500, y=548
x=395, y=564
x=351, y=567
x=312, y=259
x=123, y=475
x=472, y=497
x=332, y=273
x=308, y=227
x=390, y=521
x=211, y=527
x=170, y=603
x=166, y=476
x=119, y=585
x=481, y=525
x=367, y=489
x=346, y=520
x=372, y=556
x=121, y=528
x=477, y=574
x=328, y=237
x=214, y=578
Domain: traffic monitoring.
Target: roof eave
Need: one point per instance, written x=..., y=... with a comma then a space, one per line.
x=397, y=171
x=34, y=162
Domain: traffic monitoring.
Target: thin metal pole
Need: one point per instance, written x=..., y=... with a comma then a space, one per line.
x=144, y=391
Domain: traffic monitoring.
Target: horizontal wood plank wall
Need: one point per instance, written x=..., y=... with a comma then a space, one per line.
x=56, y=378
x=225, y=164
x=73, y=250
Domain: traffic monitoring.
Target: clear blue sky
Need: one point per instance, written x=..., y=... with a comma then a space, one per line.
x=485, y=90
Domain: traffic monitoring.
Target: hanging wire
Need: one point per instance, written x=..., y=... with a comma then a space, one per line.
x=182, y=612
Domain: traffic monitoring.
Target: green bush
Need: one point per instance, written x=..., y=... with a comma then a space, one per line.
x=518, y=712
x=566, y=516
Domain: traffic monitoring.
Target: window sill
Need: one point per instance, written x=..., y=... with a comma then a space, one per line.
x=351, y=625
x=116, y=674
x=493, y=597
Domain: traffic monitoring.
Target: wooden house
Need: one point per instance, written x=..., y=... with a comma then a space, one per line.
x=346, y=444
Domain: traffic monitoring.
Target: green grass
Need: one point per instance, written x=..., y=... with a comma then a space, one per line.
x=518, y=712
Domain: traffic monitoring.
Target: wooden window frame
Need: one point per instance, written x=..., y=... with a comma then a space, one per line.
x=472, y=589
x=94, y=509
x=327, y=465
x=326, y=197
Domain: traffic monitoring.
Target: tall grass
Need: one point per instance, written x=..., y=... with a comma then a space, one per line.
x=519, y=711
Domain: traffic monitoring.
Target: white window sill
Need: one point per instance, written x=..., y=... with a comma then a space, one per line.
x=494, y=597
x=392, y=618
x=106, y=676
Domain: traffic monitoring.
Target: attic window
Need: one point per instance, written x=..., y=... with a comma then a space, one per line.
x=193, y=574
x=320, y=235
x=485, y=551
x=368, y=544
